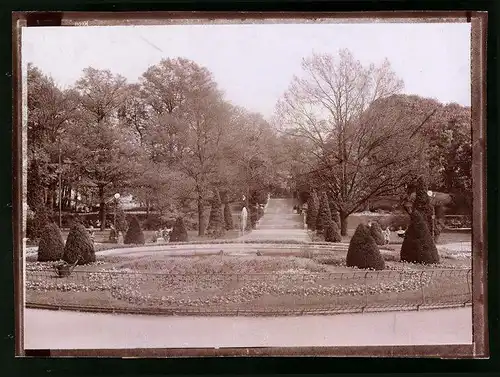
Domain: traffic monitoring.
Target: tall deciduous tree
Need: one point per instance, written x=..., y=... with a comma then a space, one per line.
x=449, y=150
x=161, y=183
x=105, y=155
x=249, y=163
x=133, y=110
x=186, y=96
x=206, y=122
x=103, y=149
x=169, y=84
x=360, y=138
x=49, y=111
x=101, y=94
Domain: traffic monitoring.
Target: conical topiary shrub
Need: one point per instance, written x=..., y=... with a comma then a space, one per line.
x=216, y=227
x=40, y=220
x=134, y=233
x=363, y=252
x=179, y=232
x=228, y=217
x=332, y=232
x=376, y=233
x=253, y=216
x=418, y=245
x=79, y=245
x=51, y=245
x=324, y=214
x=423, y=205
x=335, y=214
x=312, y=211
x=34, y=187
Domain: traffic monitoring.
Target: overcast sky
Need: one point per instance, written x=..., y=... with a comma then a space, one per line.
x=254, y=64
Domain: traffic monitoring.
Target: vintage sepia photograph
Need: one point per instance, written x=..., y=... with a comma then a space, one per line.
x=259, y=183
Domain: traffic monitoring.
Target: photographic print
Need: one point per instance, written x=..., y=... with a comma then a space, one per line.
x=263, y=183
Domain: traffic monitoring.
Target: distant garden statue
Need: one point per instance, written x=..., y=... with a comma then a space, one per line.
x=119, y=239
x=244, y=219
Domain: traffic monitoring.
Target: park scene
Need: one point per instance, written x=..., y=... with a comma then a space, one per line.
x=160, y=195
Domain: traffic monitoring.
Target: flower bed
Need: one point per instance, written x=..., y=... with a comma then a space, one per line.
x=251, y=283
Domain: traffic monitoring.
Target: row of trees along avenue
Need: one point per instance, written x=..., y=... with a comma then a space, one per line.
x=174, y=141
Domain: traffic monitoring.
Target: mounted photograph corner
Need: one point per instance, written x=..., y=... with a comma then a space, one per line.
x=221, y=184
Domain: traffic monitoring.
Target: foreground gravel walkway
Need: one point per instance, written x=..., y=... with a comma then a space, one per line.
x=73, y=330
x=279, y=223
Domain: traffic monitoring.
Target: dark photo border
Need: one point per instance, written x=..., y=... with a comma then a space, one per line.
x=484, y=217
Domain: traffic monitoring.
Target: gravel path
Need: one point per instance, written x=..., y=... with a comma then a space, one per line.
x=67, y=330
x=279, y=223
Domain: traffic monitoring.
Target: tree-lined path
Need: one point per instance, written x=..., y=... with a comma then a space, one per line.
x=279, y=223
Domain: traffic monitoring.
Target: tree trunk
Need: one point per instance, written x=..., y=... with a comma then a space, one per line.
x=367, y=206
x=69, y=198
x=102, y=208
x=54, y=194
x=66, y=197
x=343, y=223
x=224, y=197
x=201, y=217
